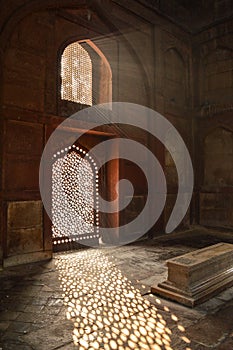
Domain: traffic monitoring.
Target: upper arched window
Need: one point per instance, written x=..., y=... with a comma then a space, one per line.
x=76, y=75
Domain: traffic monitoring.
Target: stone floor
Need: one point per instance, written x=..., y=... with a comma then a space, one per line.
x=100, y=299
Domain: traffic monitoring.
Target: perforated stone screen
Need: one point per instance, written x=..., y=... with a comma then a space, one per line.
x=76, y=75
x=74, y=192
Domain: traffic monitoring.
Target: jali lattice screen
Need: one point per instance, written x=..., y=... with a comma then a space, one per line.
x=76, y=75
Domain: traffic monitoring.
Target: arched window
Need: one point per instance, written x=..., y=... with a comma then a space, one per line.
x=76, y=75
x=75, y=193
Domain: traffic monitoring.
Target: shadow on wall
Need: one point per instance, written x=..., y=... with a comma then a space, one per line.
x=108, y=312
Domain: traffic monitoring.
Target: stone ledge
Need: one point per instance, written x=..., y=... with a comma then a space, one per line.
x=27, y=258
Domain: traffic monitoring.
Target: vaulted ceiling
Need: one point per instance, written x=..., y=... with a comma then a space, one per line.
x=193, y=15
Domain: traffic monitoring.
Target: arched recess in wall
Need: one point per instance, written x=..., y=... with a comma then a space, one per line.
x=216, y=196
x=217, y=76
x=46, y=103
x=16, y=16
x=175, y=77
x=85, y=77
x=218, y=155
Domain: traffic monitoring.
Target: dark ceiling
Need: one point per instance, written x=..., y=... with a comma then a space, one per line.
x=193, y=15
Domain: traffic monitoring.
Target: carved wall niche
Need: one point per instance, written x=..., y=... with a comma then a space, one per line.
x=216, y=195
x=218, y=158
x=175, y=81
x=217, y=81
x=176, y=56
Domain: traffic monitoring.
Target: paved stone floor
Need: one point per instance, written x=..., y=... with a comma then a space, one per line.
x=100, y=299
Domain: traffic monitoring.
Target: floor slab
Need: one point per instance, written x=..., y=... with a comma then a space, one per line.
x=100, y=299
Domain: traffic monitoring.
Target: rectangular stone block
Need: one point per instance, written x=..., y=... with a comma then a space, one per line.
x=23, y=96
x=216, y=209
x=24, y=241
x=24, y=214
x=199, y=275
x=24, y=138
x=24, y=227
x=28, y=63
x=22, y=172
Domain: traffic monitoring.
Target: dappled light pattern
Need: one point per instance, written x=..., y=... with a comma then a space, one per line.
x=74, y=192
x=108, y=312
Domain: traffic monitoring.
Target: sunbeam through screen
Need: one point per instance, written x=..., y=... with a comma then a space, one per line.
x=74, y=191
x=108, y=312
